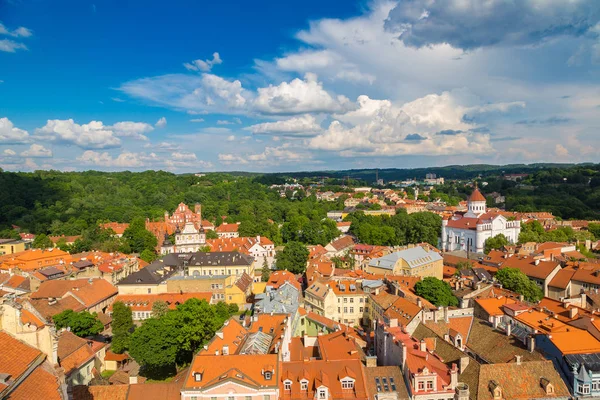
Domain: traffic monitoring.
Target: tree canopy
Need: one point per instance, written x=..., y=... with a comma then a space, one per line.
x=293, y=258
x=495, y=243
x=81, y=323
x=122, y=326
x=436, y=291
x=515, y=280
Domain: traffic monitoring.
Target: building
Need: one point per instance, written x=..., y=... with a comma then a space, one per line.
x=11, y=246
x=220, y=263
x=417, y=261
x=79, y=358
x=341, y=301
x=27, y=373
x=142, y=304
x=470, y=231
x=283, y=299
x=259, y=247
x=215, y=284
x=34, y=259
x=226, y=230
x=95, y=295
x=339, y=246
x=151, y=279
x=189, y=239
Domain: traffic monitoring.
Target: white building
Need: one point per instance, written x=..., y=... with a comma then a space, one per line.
x=469, y=231
x=188, y=240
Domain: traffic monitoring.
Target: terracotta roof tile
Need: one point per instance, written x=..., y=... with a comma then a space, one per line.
x=40, y=384
x=103, y=392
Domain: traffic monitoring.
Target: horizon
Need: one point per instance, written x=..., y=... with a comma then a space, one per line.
x=297, y=87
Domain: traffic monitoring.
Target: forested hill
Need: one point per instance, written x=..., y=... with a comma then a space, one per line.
x=69, y=202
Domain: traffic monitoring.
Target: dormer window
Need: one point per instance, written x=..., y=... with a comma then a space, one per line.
x=287, y=385
x=198, y=376
x=304, y=385
x=268, y=375
x=347, y=384
x=322, y=393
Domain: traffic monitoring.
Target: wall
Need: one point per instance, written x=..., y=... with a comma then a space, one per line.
x=142, y=289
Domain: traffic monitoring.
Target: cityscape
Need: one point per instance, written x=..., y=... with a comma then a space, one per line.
x=382, y=200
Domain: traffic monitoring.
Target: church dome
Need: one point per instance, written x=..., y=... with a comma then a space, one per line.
x=476, y=195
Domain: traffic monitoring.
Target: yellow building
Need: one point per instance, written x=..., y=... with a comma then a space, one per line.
x=417, y=261
x=11, y=246
x=238, y=292
x=341, y=301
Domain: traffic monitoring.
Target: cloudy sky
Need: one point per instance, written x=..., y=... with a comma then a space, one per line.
x=190, y=86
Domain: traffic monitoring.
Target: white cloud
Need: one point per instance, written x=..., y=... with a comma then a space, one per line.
x=117, y=99
x=9, y=153
x=197, y=120
x=94, y=135
x=19, y=32
x=270, y=156
x=163, y=146
x=298, y=97
x=10, y=134
x=231, y=138
x=224, y=122
x=10, y=46
x=123, y=160
x=305, y=125
x=132, y=129
x=161, y=123
x=561, y=151
x=204, y=65
x=181, y=156
x=37, y=151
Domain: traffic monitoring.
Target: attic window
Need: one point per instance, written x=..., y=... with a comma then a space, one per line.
x=268, y=375
x=198, y=376
x=304, y=385
x=322, y=394
x=287, y=385
x=348, y=384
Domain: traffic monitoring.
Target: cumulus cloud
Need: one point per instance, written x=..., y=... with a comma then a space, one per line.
x=19, y=32
x=124, y=160
x=135, y=130
x=204, y=65
x=270, y=156
x=37, y=151
x=9, y=134
x=305, y=125
x=10, y=46
x=128, y=159
x=420, y=127
x=94, y=135
x=181, y=156
x=298, y=97
x=197, y=120
x=469, y=24
x=9, y=153
x=161, y=123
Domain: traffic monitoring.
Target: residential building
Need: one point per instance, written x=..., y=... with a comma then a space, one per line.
x=95, y=295
x=278, y=278
x=142, y=304
x=261, y=248
x=27, y=373
x=385, y=383
x=226, y=230
x=284, y=299
x=33, y=259
x=149, y=280
x=469, y=232
x=250, y=377
x=11, y=246
x=340, y=246
x=79, y=358
x=342, y=301
x=417, y=261
x=239, y=292
x=223, y=263
x=214, y=284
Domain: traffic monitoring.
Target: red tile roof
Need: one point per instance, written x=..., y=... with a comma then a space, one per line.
x=144, y=302
x=88, y=292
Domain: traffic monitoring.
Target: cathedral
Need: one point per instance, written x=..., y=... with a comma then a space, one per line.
x=469, y=232
x=190, y=234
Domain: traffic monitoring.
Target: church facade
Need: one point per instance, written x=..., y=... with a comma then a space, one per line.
x=469, y=232
x=190, y=235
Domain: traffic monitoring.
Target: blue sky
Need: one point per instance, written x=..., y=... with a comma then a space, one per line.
x=281, y=86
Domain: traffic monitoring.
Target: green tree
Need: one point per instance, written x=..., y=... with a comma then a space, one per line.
x=211, y=234
x=62, y=245
x=159, y=308
x=463, y=265
x=265, y=272
x=155, y=346
x=293, y=258
x=138, y=237
x=495, y=243
x=436, y=291
x=148, y=255
x=122, y=326
x=515, y=280
x=81, y=323
x=42, y=241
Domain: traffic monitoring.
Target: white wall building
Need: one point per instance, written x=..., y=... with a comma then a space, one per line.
x=469, y=232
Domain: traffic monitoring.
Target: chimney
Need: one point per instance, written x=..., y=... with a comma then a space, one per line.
x=133, y=380
x=508, y=329
x=464, y=363
x=453, y=377
x=537, y=262
x=518, y=359
x=419, y=302
x=225, y=350
x=573, y=312
x=403, y=356
x=422, y=345
x=393, y=323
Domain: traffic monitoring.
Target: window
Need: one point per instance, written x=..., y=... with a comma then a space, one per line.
x=194, y=397
x=361, y=300
x=267, y=375
x=339, y=300
x=149, y=290
x=351, y=309
x=595, y=385
x=322, y=393
x=231, y=398
x=345, y=299
x=421, y=385
x=429, y=385
x=361, y=309
x=287, y=385
x=339, y=310
x=267, y=397
x=197, y=376
x=304, y=385
x=347, y=384
x=248, y=397
x=351, y=299
x=584, y=389
x=345, y=309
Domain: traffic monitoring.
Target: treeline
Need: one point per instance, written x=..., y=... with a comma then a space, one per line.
x=399, y=229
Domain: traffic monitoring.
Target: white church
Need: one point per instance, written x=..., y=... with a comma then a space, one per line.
x=469, y=232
